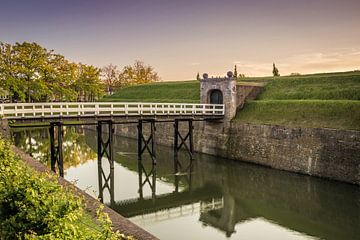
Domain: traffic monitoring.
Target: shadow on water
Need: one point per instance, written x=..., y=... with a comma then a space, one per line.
x=221, y=192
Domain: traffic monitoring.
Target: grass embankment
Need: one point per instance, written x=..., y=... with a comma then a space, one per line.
x=34, y=205
x=318, y=100
x=159, y=92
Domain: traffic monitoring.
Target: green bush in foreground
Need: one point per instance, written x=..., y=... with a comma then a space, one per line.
x=35, y=206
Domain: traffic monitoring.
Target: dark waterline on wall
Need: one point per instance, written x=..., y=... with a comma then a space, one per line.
x=212, y=198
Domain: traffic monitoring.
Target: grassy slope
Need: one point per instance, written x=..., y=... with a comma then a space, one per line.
x=159, y=92
x=317, y=100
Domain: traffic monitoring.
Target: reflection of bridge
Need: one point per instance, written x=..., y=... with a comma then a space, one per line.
x=135, y=207
x=247, y=192
x=181, y=211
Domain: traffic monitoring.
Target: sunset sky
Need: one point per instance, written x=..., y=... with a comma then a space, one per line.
x=181, y=38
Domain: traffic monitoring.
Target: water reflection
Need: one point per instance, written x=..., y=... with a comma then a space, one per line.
x=210, y=194
x=36, y=142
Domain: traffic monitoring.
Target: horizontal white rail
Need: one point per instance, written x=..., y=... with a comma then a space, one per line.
x=68, y=109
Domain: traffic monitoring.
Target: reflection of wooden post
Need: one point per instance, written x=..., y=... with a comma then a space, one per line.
x=150, y=178
x=60, y=150
x=100, y=170
x=56, y=147
x=140, y=171
x=188, y=143
x=105, y=148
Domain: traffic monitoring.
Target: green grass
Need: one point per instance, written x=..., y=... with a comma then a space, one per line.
x=325, y=87
x=328, y=100
x=159, y=92
x=339, y=114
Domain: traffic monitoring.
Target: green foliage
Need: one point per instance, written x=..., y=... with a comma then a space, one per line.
x=35, y=206
x=159, y=92
x=338, y=114
x=138, y=73
x=31, y=72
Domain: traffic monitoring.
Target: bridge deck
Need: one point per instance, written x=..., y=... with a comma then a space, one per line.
x=106, y=109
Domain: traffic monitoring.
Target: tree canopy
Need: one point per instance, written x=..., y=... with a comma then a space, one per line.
x=30, y=72
x=138, y=73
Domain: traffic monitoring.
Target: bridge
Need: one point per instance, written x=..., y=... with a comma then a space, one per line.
x=105, y=115
x=64, y=110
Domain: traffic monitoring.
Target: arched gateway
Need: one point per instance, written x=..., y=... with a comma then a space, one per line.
x=220, y=90
x=216, y=97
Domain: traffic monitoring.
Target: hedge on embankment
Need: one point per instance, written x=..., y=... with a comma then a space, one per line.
x=34, y=205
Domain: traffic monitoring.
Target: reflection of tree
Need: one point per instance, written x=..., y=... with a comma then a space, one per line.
x=36, y=143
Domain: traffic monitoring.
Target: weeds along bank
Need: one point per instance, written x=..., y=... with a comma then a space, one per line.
x=34, y=205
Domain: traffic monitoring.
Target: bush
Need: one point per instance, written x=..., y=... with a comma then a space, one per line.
x=35, y=206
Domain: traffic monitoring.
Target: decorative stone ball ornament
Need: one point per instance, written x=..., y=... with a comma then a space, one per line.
x=229, y=74
x=205, y=76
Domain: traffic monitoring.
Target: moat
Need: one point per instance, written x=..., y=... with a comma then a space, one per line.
x=208, y=198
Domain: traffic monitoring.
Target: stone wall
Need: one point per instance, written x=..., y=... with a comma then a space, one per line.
x=246, y=92
x=329, y=153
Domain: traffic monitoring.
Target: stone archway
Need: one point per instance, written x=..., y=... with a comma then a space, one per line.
x=216, y=97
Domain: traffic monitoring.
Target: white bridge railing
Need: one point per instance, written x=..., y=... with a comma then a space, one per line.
x=83, y=109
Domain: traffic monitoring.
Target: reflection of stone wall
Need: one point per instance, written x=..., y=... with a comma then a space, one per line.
x=326, y=153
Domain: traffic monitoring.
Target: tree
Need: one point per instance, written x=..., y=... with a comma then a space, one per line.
x=30, y=72
x=88, y=83
x=139, y=73
x=8, y=78
x=275, y=71
x=235, y=72
x=109, y=76
x=198, y=76
x=30, y=59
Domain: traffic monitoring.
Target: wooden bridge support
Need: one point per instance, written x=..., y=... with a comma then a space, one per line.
x=183, y=140
x=183, y=170
x=105, y=149
x=150, y=179
x=56, y=128
x=146, y=143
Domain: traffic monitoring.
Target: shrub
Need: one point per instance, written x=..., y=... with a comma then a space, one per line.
x=35, y=206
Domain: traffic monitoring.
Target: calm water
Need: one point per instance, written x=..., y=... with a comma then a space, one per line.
x=212, y=198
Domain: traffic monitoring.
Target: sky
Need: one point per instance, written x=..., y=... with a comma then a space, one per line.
x=181, y=38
